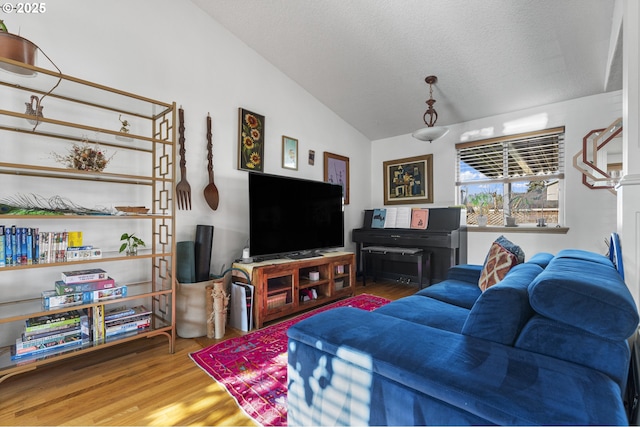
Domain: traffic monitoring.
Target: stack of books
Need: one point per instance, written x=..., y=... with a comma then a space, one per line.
x=82, y=287
x=123, y=320
x=51, y=333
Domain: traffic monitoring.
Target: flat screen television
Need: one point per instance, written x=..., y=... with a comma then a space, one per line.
x=293, y=217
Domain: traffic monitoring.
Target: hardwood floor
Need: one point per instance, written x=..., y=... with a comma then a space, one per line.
x=138, y=383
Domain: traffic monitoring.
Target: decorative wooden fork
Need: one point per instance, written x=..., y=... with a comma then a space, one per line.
x=183, y=189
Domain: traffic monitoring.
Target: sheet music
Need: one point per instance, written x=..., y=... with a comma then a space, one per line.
x=403, y=218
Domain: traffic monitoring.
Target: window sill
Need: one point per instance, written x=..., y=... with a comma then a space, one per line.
x=521, y=229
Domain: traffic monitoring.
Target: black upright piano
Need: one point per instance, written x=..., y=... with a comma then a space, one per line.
x=444, y=238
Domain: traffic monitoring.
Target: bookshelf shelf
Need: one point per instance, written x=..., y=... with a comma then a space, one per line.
x=141, y=172
x=280, y=284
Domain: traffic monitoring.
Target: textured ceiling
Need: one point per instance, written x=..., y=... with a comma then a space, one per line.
x=367, y=59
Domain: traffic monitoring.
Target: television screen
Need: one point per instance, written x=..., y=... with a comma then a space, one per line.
x=290, y=215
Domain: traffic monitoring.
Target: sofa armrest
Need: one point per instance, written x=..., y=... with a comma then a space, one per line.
x=496, y=383
x=465, y=273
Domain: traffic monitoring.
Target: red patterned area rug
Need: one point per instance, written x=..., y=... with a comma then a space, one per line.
x=253, y=367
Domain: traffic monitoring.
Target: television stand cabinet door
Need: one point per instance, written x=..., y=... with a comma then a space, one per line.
x=283, y=287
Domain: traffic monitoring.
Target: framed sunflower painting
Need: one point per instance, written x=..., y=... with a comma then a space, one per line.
x=250, y=141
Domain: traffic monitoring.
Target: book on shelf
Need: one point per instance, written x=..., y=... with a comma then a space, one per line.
x=96, y=322
x=104, y=294
x=74, y=238
x=51, y=299
x=53, y=246
x=94, y=285
x=81, y=276
x=118, y=312
x=52, y=331
x=25, y=346
x=121, y=326
x=45, y=351
x=3, y=259
x=126, y=319
x=52, y=322
x=8, y=247
x=83, y=253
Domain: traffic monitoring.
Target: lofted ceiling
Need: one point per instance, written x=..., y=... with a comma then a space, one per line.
x=367, y=59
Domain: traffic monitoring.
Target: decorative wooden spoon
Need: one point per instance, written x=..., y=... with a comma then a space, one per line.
x=210, y=191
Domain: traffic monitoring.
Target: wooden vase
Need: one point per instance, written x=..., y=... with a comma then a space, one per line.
x=18, y=49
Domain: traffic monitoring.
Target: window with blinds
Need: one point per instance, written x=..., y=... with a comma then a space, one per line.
x=516, y=178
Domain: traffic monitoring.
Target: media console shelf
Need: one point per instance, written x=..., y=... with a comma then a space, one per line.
x=284, y=287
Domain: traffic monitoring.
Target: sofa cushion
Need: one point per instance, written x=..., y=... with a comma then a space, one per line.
x=465, y=272
x=456, y=292
x=427, y=311
x=545, y=336
x=541, y=258
x=585, y=256
x=498, y=263
x=586, y=294
x=502, y=310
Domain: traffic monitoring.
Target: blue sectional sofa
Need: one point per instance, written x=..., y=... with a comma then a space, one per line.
x=546, y=345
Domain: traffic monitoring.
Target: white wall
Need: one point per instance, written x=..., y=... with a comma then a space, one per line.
x=589, y=214
x=172, y=51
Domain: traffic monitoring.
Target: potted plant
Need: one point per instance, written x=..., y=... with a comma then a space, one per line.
x=480, y=204
x=17, y=49
x=517, y=202
x=131, y=243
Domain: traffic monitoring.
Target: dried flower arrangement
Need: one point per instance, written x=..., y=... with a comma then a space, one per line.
x=85, y=157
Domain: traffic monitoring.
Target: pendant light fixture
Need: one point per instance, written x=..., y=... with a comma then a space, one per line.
x=431, y=132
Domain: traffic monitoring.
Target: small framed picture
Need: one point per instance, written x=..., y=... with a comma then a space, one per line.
x=312, y=157
x=408, y=180
x=289, y=153
x=250, y=141
x=336, y=171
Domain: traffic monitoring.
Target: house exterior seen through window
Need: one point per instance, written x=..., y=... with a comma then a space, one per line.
x=515, y=180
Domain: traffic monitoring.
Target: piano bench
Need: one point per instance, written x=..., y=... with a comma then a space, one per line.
x=421, y=258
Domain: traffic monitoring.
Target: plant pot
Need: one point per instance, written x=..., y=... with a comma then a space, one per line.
x=482, y=221
x=510, y=221
x=18, y=49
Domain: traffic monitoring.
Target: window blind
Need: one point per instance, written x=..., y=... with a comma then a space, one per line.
x=530, y=156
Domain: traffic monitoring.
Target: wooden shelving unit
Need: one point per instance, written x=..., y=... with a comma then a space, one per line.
x=78, y=111
x=280, y=284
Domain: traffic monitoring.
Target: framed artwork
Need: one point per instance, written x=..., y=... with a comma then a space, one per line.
x=250, y=141
x=312, y=157
x=336, y=171
x=408, y=180
x=289, y=153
